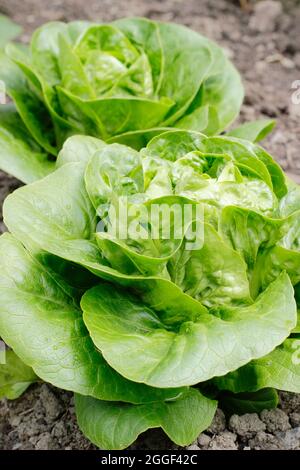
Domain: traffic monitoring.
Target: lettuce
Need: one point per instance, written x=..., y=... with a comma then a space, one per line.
x=148, y=329
x=124, y=81
x=8, y=30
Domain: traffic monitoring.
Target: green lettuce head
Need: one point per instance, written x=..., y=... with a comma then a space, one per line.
x=148, y=329
x=122, y=81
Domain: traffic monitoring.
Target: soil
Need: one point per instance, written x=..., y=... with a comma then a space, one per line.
x=263, y=40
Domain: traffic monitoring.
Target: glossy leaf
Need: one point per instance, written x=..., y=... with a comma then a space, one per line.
x=253, y=131
x=141, y=347
x=42, y=322
x=31, y=108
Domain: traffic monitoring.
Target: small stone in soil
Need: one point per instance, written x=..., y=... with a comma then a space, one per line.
x=265, y=16
x=247, y=425
x=223, y=441
x=275, y=420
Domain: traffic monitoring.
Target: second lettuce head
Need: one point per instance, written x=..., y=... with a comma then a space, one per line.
x=123, y=81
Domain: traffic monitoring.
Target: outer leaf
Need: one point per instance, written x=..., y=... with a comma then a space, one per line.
x=22, y=59
x=72, y=219
x=279, y=369
x=15, y=376
x=273, y=261
x=251, y=402
x=72, y=73
x=194, y=67
x=253, y=131
x=39, y=318
x=19, y=154
x=275, y=171
x=30, y=107
x=203, y=119
x=61, y=127
x=45, y=47
x=221, y=93
x=138, y=344
x=116, y=426
x=8, y=30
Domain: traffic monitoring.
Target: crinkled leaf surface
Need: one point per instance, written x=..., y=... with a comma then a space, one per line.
x=254, y=131
x=113, y=172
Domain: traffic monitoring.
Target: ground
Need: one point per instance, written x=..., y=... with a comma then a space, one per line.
x=263, y=40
